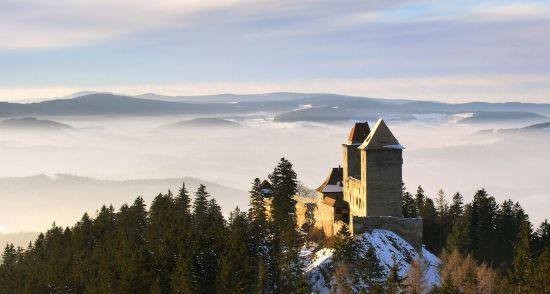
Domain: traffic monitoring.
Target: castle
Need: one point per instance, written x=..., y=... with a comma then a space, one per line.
x=366, y=193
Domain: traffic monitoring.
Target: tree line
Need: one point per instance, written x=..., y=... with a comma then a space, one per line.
x=185, y=245
x=483, y=243
x=177, y=246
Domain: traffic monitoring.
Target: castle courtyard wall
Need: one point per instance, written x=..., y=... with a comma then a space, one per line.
x=409, y=229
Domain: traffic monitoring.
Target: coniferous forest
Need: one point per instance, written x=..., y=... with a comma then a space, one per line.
x=183, y=244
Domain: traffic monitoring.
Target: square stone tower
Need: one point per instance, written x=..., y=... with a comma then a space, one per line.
x=373, y=172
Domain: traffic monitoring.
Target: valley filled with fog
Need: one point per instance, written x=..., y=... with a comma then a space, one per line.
x=55, y=175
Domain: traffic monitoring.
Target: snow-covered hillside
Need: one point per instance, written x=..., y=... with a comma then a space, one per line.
x=389, y=247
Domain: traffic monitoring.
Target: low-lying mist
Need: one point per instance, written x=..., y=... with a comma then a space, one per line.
x=110, y=151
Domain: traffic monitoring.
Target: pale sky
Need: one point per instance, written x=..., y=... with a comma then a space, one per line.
x=450, y=51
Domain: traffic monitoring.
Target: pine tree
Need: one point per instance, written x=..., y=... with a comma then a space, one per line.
x=369, y=269
x=522, y=266
x=394, y=283
x=283, y=210
x=508, y=221
x=482, y=232
x=82, y=242
x=409, y=206
x=419, y=199
x=103, y=275
x=541, y=239
x=344, y=261
x=431, y=232
x=236, y=262
x=541, y=282
x=257, y=215
x=207, y=241
x=346, y=249
x=456, y=209
x=309, y=223
x=183, y=281
x=287, y=268
x=132, y=256
x=161, y=239
x=8, y=269
x=459, y=237
x=182, y=204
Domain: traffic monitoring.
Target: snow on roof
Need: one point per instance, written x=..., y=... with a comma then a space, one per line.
x=333, y=189
x=394, y=146
x=336, y=175
x=380, y=137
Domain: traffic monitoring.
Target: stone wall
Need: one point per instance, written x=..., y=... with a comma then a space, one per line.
x=324, y=214
x=354, y=194
x=409, y=229
x=352, y=161
x=384, y=182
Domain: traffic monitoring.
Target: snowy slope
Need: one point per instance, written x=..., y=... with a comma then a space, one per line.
x=388, y=245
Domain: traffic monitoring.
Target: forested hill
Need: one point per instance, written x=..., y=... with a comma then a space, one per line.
x=184, y=245
x=286, y=106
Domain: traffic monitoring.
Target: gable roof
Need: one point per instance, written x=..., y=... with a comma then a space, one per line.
x=381, y=138
x=358, y=133
x=333, y=180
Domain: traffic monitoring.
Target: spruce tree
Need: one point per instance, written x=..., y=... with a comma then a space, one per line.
x=394, y=283
x=236, y=272
x=507, y=224
x=344, y=261
x=482, y=233
x=456, y=209
x=541, y=238
x=162, y=241
x=522, y=266
x=540, y=280
x=257, y=215
x=369, y=269
x=132, y=257
x=459, y=237
x=419, y=199
x=8, y=269
x=183, y=280
x=287, y=268
x=431, y=232
x=409, y=206
x=206, y=241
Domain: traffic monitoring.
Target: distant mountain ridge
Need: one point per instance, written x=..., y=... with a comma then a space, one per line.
x=32, y=123
x=285, y=106
x=488, y=116
x=204, y=122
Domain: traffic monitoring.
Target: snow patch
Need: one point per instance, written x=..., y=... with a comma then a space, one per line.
x=389, y=248
x=394, y=146
x=459, y=116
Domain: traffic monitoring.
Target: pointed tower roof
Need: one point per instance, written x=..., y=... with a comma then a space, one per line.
x=358, y=133
x=381, y=138
x=333, y=183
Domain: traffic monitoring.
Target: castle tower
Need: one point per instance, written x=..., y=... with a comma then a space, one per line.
x=373, y=172
x=381, y=172
x=352, y=167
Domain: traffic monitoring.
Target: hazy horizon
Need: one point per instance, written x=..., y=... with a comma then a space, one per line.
x=438, y=155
